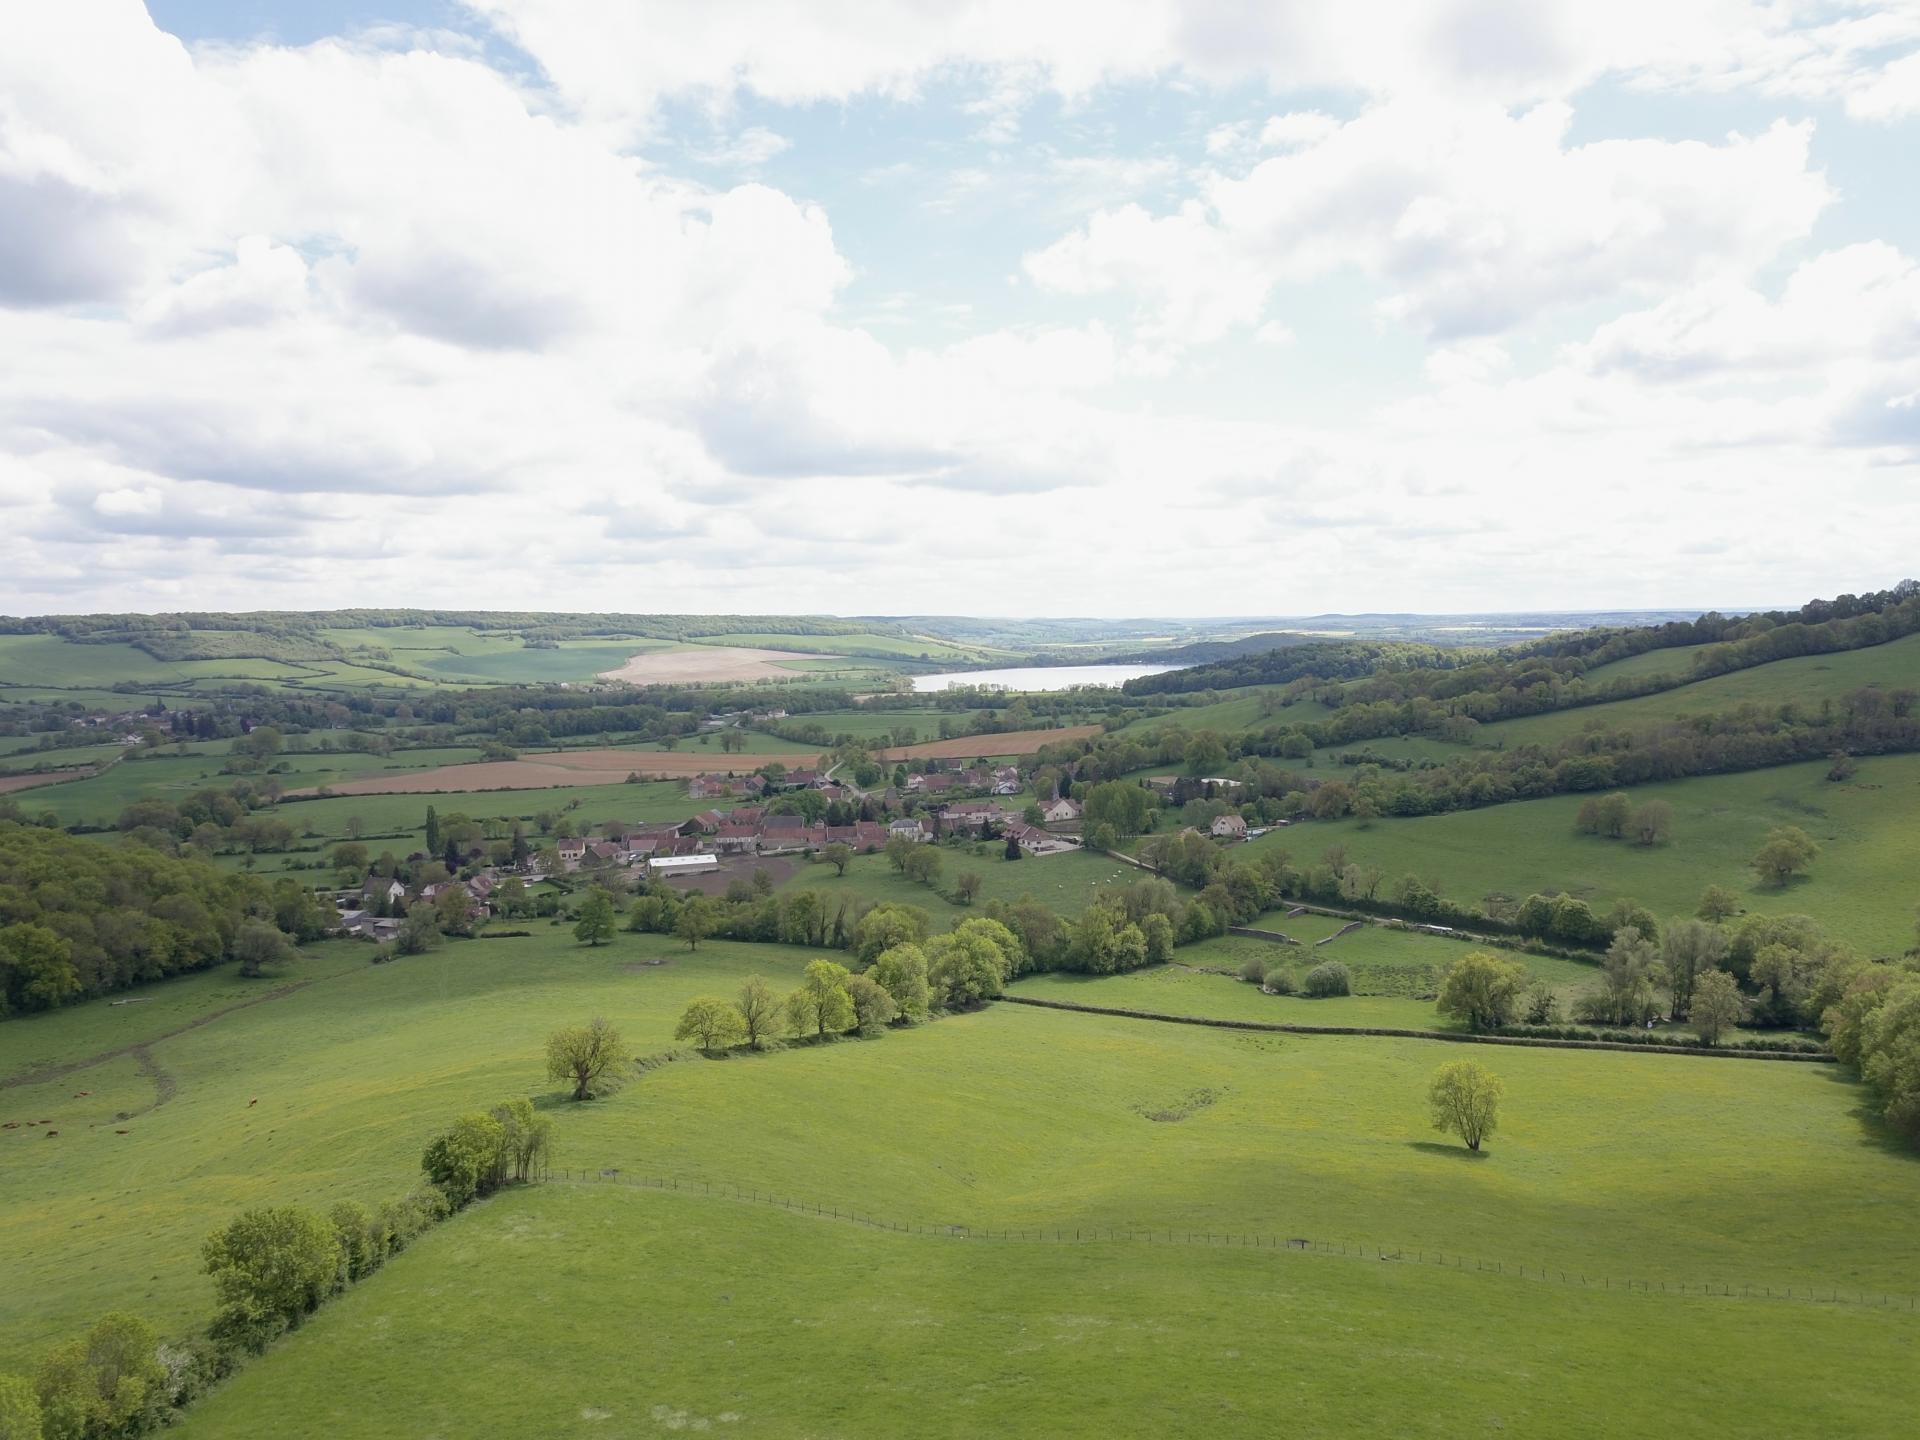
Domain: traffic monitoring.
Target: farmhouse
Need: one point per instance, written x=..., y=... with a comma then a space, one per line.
x=907, y=829
x=1229, y=827
x=1060, y=811
x=572, y=849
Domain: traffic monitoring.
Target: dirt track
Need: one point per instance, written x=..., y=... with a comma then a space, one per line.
x=707, y=663
x=548, y=771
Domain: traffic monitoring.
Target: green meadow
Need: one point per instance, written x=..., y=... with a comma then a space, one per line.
x=1861, y=888
x=329, y=1083
x=595, y=1310
x=1804, y=681
x=1066, y=883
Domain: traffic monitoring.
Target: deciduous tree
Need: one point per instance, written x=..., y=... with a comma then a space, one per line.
x=1787, y=853
x=583, y=1054
x=759, y=1011
x=1465, y=1100
x=596, y=923
x=1716, y=1005
x=269, y=1267
x=1482, y=989
x=902, y=973
x=821, y=1006
x=711, y=1021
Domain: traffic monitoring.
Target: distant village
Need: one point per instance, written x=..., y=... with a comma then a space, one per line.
x=717, y=842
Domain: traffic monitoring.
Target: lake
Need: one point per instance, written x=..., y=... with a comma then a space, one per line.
x=1037, y=677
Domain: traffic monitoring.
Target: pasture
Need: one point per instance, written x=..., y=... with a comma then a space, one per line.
x=1804, y=681
x=1607, y=1164
x=590, y=1310
x=1065, y=883
x=1860, y=888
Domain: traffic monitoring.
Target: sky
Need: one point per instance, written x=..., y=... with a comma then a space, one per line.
x=995, y=307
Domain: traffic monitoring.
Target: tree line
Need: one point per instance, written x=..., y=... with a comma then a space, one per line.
x=79, y=919
x=271, y=1267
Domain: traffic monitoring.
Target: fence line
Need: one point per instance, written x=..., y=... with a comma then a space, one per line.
x=1459, y=1037
x=1573, y=1278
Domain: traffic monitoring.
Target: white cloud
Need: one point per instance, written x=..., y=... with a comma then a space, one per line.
x=1473, y=217
x=616, y=61
x=1192, y=284
x=370, y=319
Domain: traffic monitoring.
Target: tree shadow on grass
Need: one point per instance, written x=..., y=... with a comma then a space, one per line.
x=1873, y=1129
x=1451, y=1152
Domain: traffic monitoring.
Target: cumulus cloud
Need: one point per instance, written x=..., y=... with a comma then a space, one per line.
x=375, y=313
x=1475, y=217
x=618, y=62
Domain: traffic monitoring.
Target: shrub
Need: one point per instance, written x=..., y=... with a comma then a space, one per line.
x=1279, y=981
x=1327, y=979
x=1254, y=970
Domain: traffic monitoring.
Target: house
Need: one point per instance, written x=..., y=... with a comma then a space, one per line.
x=606, y=850
x=383, y=890
x=933, y=783
x=977, y=815
x=1061, y=811
x=1229, y=827
x=640, y=846
x=1035, y=841
x=908, y=829
x=709, y=787
x=572, y=849
x=1006, y=780
x=864, y=836
x=706, y=822
x=732, y=839
x=804, y=780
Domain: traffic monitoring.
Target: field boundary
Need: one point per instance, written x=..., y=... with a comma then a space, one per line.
x=1452, y=1036
x=1274, y=1244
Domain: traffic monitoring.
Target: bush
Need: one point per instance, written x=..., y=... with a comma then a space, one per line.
x=1254, y=970
x=1279, y=981
x=1327, y=979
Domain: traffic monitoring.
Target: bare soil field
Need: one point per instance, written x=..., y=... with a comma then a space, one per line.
x=702, y=663
x=10, y=783
x=606, y=767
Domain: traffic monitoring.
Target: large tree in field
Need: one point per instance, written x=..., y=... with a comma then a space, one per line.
x=257, y=945
x=838, y=856
x=584, y=1055
x=1787, y=853
x=711, y=1021
x=1482, y=989
x=1465, y=1100
x=595, y=925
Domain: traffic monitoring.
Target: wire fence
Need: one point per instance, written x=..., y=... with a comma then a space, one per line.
x=1573, y=1278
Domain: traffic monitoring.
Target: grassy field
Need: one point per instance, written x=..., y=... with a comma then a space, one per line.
x=877, y=725
x=1609, y=1164
x=1862, y=888
x=917, y=647
x=1673, y=661
x=1804, y=681
x=351, y=1073
x=1245, y=710
x=734, y=1330
x=99, y=799
x=1065, y=883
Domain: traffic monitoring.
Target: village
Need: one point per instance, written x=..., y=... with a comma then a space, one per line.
x=715, y=846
